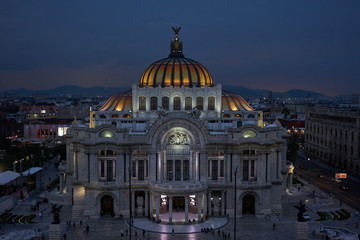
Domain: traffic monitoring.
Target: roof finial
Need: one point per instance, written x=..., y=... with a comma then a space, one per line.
x=176, y=45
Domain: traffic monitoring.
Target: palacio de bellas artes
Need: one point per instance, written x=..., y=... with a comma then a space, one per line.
x=175, y=142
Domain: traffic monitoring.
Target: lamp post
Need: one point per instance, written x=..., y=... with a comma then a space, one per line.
x=309, y=168
x=235, y=172
x=130, y=203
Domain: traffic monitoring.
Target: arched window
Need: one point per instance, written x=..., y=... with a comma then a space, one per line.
x=188, y=103
x=248, y=134
x=176, y=103
x=153, y=103
x=211, y=103
x=142, y=103
x=106, y=134
x=226, y=115
x=238, y=116
x=126, y=116
x=115, y=116
x=251, y=116
x=165, y=103
x=102, y=116
x=200, y=103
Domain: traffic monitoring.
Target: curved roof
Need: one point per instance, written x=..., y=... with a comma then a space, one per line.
x=176, y=72
x=121, y=101
x=234, y=102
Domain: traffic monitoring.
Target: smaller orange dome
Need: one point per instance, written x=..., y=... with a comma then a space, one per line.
x=121, y=101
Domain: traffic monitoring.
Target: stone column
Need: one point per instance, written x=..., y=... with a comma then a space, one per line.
x=199, y=201
x=151, y=205
x=223, y=203
x=186, y=209
x=191, y=166
x=157, y=206
x=205, y=204
x=133, y=201
x=61, y=177
x=197, y=166
x=209, y=204
x=146, y=204
x=170, y=208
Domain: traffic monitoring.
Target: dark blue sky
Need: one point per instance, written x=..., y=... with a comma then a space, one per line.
x=277, y=45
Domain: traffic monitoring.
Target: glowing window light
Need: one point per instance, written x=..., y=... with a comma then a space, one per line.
x=106, y=134
x=248, y=134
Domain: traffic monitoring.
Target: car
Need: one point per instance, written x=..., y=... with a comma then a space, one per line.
x=344, y=187
x=321, y=176
x=306, y=217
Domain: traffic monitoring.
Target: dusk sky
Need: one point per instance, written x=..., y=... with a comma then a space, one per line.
x=276, y=45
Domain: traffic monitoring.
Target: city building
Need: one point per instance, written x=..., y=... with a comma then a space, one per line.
x=333, y=135
x=182, y=142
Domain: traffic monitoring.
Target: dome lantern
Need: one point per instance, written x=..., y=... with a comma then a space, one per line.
x=176, y=70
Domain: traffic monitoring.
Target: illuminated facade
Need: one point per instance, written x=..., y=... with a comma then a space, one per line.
x=179, y=138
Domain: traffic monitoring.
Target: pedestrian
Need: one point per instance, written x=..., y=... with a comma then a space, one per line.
x=87, y=228
x=298, y=189
x=135, y=233
x=274, y=226
x=313, y=192
x=64, y=236
x=143, y=232
x=80, y=223
x=172, y=232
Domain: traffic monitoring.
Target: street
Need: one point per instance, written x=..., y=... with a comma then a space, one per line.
x=311, y=170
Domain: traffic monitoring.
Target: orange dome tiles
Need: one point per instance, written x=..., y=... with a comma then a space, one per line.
x=176, y=72
x=118, y=102
x=234, y=102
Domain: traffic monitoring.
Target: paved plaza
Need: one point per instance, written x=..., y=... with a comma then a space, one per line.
x=248, y=228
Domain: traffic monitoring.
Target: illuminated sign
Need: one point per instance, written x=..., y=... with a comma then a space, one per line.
x=340, y=175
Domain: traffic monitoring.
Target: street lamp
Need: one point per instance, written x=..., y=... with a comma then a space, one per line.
x=235, y=172
x=309, y=168
x=130, y=202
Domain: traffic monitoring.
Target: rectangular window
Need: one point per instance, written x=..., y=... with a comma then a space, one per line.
x=214, y=170
x=133, y=169
x=142, y=103
x=246, y=170
x=211, y=103
x=165, y=103
x=177, y=170
x=176, y=103
x=109, y=170
x=221, y=168
x=252, y=173
x=209, y=164
x=141, y=170
x=200, y=103
x=188, y=103
x=102, y=167
x=186, y=170
x=146, y=169
x=169, y=164
x=153, y=103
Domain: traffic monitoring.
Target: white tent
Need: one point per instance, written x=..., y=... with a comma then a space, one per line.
x=8, y=176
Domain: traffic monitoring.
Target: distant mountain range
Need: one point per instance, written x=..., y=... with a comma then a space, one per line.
x=71, y=90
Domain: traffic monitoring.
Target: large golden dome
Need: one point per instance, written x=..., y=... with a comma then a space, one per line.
x=176, y=70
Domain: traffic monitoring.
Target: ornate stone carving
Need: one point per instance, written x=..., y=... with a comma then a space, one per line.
x=178, y=138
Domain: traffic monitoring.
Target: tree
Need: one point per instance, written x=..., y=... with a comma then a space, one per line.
x=285, y=111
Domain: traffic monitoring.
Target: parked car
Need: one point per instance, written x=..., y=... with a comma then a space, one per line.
x=321, y=176
x=306, y=217
x=344, y=187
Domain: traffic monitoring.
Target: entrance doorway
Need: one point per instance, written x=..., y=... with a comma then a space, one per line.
x=179, y=204
x=107, y=206
x=248, y=204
